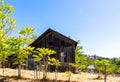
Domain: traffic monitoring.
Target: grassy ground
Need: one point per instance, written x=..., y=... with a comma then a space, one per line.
x=10, y=75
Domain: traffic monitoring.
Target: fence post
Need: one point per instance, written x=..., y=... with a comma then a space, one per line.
x=105, y=74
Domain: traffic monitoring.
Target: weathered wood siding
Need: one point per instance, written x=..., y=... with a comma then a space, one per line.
x=59, y=45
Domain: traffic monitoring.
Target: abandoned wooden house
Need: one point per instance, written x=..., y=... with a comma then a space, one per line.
x=64, y=46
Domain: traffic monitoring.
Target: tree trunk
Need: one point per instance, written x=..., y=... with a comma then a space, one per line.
x=56, y=73
x=37, y=69
x=45, y=72
x=45, y=67
x=3, y=67
x=19, y=70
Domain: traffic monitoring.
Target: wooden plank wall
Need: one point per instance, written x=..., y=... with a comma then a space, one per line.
x=59, y=45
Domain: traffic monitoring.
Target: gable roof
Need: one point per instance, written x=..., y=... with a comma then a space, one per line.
x=57, y=34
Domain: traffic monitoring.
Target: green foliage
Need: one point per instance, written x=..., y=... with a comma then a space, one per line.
x=117, y=70
x=26, y=31
x=111, y=68
x=4, y=51
x=78, y=53
x=102, y=62
x=21, y=50
x=53, y=61
x=7, y=23
x=40, y=53
x=80, y=59
x=100, y=65
x=118, y=62
x=20, y=43
x=22, y=55
x=1, y=17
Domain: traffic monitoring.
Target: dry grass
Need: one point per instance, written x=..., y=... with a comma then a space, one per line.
x=10, y=75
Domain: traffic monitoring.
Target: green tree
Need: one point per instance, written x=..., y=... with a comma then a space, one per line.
x=112, y=68
x=117, y=64
x=10, y=45
x=80, y=59
x=21, y=48
x=44, y=54
x=4, y=53
x=22, y=56
x=100, y=64
x=7, y=25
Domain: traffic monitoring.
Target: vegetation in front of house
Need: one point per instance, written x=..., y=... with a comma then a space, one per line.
x=44, y=54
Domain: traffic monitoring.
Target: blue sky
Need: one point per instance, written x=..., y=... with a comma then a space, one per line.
x=96, y=23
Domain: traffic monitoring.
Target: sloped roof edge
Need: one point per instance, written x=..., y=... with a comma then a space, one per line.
x=54, y=32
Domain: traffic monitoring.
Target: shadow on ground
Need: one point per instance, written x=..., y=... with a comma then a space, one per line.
x=16, y=78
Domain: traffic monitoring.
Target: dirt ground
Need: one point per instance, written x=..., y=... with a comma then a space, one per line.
x=10, y=75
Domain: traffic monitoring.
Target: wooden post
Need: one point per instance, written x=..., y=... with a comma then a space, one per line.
x=105, y=74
